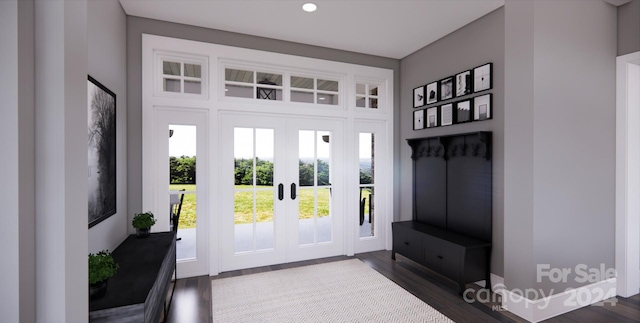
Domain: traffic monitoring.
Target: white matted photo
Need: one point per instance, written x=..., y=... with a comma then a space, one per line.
x=432, y=117
x=432, y=92
x=482, y=77
x=418, y=97
x=482, y=107
x=446, y=114
x=418, y=120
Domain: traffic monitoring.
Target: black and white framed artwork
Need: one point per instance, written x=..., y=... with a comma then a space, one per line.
x=446, y=88
x=431, y=119
x=463, y=111
x=101, y=113
x=482, y=79
x=464, y=83
x=432, y=92
x=418, y=119
x=482, y=107
x=446, y=114
x=418, y=97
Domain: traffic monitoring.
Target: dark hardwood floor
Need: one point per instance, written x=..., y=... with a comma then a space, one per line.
x=192, y=298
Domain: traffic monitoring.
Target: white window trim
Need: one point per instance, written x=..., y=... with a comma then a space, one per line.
x=216, y=58
x=159, y=76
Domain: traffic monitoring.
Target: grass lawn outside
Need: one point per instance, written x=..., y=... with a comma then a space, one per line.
x=188, y=211
x=265, y=196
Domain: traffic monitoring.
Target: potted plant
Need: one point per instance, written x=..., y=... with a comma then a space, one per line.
x=101, y=267
x=143, y=222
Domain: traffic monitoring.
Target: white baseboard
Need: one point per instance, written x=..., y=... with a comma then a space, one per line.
x=497, y=282
x=544, y=308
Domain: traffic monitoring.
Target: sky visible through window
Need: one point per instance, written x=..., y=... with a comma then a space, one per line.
x=183, y=141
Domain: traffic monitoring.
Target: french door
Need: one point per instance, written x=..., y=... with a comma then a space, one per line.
x=283, y=187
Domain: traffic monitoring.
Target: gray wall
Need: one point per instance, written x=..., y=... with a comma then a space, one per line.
x=480, y=42
x=61, y=160
x=518, y=143
x=107, y=63
x=560, y=155
x=17, y=194
x=629, y=28
x=136, y=26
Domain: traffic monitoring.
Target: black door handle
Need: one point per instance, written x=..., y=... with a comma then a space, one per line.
x=280, y=192
x=293, y=191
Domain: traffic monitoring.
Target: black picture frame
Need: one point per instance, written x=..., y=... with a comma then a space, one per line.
x=446, y=88
x=446, y=114
x=432, y=92
x=431, y=119
x=463, y=111
x=483, y=78
x=482, y=107
x=418, y=119
x=418, y=97
x=101, y=121
x=464, y=83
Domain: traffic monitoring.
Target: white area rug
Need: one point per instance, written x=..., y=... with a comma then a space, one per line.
x=342, y=291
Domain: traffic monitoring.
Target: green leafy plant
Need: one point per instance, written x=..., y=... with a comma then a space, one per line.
x=143, y=220
x=101, y=266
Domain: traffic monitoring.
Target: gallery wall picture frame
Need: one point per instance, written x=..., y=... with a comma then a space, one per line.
x=432, y=92
x=446, y=88
x=446, y=114
x=464, y=83
x=483, y=77
x=463, y=112
x=482, y=107
x=418, y=119
x=101, y=189
x=418, y=97
x=431, y=119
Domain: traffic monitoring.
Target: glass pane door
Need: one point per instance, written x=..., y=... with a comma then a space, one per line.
x=314, y=206
x=278, y=204
x=253, y=189
x=315, y=211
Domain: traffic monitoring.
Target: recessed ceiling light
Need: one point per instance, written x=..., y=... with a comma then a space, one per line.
x=309, y=7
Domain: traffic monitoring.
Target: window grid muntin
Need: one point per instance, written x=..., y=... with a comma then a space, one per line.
x=294, y=90
x=367, y=97
x=179, y=75
x=315, y=91
x=255, y=84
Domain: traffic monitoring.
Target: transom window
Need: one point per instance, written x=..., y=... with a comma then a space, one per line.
x=263, y=85
x=250, y=84
x=314, y=90
x=367, y=95
x=181, y=76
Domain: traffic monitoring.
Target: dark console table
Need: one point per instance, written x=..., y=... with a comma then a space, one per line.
x=139, y=291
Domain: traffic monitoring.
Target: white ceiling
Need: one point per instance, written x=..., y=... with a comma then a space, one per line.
x=389, y=28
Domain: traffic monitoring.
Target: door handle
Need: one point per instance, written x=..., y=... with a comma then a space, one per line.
x=293, y=191
x=280, y=191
